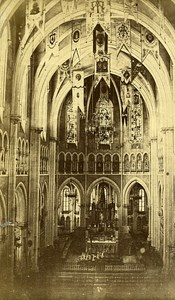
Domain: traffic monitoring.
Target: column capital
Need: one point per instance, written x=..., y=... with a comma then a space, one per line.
x=153, y=139
x=53, y=139
x=166, y=129
x=37, y=129
x=15, y=119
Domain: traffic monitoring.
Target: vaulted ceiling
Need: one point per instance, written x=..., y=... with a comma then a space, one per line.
x=156, y=86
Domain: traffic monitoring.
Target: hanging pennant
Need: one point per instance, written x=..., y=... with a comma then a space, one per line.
x=100, y=40
x=150, y=44
x=78, y=90
x=76, y=42
x=97, y=12
x=125, y=88
x=35, y=15
x=52, y=44
x=102, y=69
x=123, y=36
x=131, y=9
x=126, y=95
x=136, y=68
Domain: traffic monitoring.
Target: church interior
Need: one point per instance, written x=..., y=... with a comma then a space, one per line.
x=87, y=142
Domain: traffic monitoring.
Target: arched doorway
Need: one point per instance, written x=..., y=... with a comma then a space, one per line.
x=137, y=212
x=20, y=232
x=69, y=208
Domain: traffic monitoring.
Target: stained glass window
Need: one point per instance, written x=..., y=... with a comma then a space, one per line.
x=74, y=163
x=68, y=163
x=136, y=120
x=115, y=163
x=133, y=163
x=66, y=199
x=126, y=163
x=71, y=123
x=139, y=162
x=104, y=121
x=91, y=163
x=81, y=164
x=107, y=164
x=141, y=200
x=99, y=163
x=145, y=163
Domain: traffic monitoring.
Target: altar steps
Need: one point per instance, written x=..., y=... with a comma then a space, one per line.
x=108, y=285
x=77, y=279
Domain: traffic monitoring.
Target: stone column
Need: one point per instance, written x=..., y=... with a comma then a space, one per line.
x=34, y=184
x=11, y=197
x=168, y=195
x=52, y=195
x=153, y=192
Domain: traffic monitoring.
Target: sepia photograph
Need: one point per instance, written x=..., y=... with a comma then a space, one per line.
x=87, y=149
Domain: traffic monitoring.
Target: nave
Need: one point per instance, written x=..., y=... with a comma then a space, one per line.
x=66, y=273
x=87, y=148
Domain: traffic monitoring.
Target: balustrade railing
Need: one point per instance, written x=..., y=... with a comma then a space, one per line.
x=101, y=267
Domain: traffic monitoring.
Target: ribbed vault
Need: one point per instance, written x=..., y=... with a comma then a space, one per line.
x=148, y=16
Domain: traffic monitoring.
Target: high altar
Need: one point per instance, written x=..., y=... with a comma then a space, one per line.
x=102, y=229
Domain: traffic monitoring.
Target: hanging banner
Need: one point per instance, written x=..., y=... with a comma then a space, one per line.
x=78, y=90
x=150, y=44
x=35, y=14
x=131, y=9
x=126, y=95
x=123, y=36
x=102, y=69
x=136, y=68
x=76, y=42
x=100, y=40
x=52, y=44
x=97, y=12
x=125, y=88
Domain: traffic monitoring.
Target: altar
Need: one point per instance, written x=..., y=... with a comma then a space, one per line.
x=102, y=224
x=102, y=244
x=102, y=249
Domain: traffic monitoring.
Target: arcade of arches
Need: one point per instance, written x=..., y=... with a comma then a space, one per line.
x=86, y=126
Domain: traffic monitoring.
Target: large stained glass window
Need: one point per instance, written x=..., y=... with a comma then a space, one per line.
x=104, y=121
x=71, y=123
x=136, y=120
